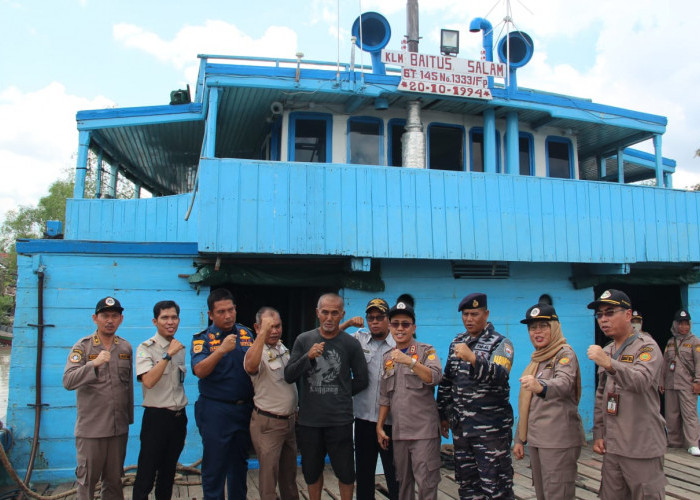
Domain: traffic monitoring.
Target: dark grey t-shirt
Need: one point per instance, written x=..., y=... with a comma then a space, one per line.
x=328, y=382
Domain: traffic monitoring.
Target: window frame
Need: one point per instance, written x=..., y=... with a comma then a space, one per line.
x=348, y=146
x=305, y=115
x=570, y=146
x=427, y=144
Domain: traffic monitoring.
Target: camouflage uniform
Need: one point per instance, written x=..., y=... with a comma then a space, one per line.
x=474, y=399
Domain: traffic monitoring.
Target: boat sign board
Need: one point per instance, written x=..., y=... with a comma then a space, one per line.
x=444, y=75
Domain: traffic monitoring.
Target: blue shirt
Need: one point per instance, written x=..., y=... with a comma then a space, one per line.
x=366, y=403
x=228, y=381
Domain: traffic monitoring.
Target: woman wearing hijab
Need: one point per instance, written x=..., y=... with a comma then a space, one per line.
x=549, y=422
x=681, y=385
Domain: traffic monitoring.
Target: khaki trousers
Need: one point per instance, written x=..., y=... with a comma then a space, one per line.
x=417, y=461
x=276, y=446
x=681, y=418
x=100, y=458
x=632, y=478
x=554, y=472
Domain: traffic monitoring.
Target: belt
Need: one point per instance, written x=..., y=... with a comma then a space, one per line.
x=272, y=415
x=229, y=401
x=174, y=413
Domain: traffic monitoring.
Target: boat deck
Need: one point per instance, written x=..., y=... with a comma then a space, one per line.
x=682, y=472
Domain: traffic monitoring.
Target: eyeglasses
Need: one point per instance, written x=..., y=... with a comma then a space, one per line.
x=609, y=313
x=402, y=324
x=533, y=327
x=375, y=317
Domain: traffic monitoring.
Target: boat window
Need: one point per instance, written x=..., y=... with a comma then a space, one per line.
x=310, y=137
x=396, y=129
x=559, y=157
x=446, y=147
x=365, y=141
x=476, y=150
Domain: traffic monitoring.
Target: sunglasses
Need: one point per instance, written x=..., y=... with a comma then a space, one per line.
x=402, y=324
x=375, y=317
x=608, y=314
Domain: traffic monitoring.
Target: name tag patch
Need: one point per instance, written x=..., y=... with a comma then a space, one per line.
x=627, y=358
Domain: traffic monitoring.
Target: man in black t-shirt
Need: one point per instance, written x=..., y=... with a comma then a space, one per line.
x=331, y=368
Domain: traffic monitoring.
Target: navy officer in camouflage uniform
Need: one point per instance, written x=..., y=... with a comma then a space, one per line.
x=473, y=402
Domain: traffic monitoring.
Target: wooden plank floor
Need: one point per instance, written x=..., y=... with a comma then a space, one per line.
x=682, y=472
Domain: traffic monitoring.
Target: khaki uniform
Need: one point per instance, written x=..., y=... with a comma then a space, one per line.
x=681, y=404
x=555, y=431
x=169, y=392
x=272, y=425
x=105, y=404
x=164, y=423
x=635, y=440
x=415, y=421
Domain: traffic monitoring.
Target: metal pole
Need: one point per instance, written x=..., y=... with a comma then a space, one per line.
x=412, y=24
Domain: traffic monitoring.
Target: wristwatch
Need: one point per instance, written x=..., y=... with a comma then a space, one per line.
x=413, y=363
x=167, y=356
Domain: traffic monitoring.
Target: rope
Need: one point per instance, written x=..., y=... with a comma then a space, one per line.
x=127, y=480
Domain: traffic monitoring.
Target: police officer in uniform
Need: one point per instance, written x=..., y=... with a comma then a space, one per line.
x=681, y=385
x=161, y=368
x=225, y=402
x=99, y=370
x=549, y=422
x=628, y=428
x=473, y=400
x=407, y=390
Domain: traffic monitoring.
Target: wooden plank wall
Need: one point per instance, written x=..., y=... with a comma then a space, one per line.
x=314, y=209
x=73, y=285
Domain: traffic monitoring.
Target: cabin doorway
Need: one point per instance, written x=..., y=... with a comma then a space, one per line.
x=297, y=306
x=656, y=303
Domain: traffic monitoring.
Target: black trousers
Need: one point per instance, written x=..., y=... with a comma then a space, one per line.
x=366, y=450
x=163, y=434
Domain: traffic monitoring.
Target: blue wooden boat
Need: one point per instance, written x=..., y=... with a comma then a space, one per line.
x=281, y=179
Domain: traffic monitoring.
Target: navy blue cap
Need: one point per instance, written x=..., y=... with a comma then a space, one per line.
x=682, y=315
x=612, y=297
x=540, y=312
x=473, y=301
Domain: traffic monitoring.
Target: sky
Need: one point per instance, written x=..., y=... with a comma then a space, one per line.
x=61, y=56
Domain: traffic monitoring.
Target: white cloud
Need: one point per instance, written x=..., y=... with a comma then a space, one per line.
x=213, y=37
x=38, y=140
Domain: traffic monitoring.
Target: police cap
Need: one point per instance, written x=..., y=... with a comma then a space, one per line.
x=612, y=297
x=540, y=312
x=682, y=315
x=108, y=304
x=402, y=308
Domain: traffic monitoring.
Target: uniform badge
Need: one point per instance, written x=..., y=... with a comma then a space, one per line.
x=549, y=366
x=431, y=357
x=412, y=349
x=646, y=349
x=683, y=314
x=214, y=342
x=697, y=347
x=503, y=361
x=564, y=361
x=197, y=346
x=389, y=364
x=92, y=356
x=508, y=350
x=688, y=345
x=627, y=358
x=243, y=333
x=124, y=355
x=534, y=312
x=645, y=356
x=212, y=336
x=76, y=356
x=95, y=340
x=475, y=303
x=606, y=294
x=109, y=301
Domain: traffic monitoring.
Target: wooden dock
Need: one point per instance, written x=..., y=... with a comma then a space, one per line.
x=682, y=472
